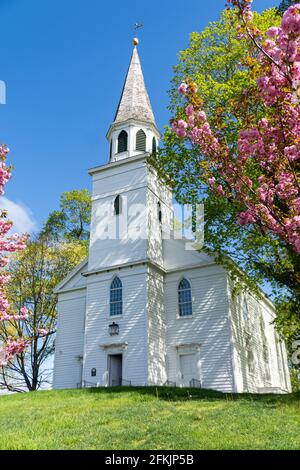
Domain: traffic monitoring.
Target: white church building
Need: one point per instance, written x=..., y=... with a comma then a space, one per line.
x=143, y=309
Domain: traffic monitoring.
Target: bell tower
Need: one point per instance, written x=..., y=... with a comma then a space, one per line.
x=131, y=210
x=133, y=130
x=130, y=205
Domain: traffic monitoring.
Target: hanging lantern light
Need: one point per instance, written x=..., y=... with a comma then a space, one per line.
x=113, y=329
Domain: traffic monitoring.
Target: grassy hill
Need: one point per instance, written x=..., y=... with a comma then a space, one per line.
x=148, y=418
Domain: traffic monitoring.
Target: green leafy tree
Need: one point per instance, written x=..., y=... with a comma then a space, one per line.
x=222, y=68
x=71, y=221
x=35, y=272
x=285, y=4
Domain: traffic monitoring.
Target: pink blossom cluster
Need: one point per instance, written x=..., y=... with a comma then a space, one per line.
x=264, y=145
x=5, y=316
x=185, y=87
x=12, y=347
x=273, y=198
x=8, y=244
x=197, y=129
x=4, y=172
x=246, y=217
x=281, y=52
x=42, y=331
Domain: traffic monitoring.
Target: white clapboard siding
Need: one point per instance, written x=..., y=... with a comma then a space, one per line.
x=133, y=326
x=260, y=363
x=106, y=250
x=157, y=373
x=69, y=339
x=208, y=326
x=132, y=173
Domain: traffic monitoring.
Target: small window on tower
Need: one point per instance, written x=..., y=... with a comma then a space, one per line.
x=118, y=205
x=154, y=145
x=122, y=141
x=159, y=212
x=140, y=141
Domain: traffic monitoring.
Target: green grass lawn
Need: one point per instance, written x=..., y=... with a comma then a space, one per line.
x=148, y=418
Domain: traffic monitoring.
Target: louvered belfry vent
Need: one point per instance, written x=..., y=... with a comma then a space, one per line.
x=122, y=141
x=140, y=141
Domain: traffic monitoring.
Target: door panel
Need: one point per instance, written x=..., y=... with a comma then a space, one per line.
x=188, y=368
x=115, y=370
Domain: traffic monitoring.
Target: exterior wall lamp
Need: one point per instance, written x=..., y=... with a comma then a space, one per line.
x=113, y=329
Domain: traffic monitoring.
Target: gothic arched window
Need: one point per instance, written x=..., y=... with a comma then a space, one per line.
x=154, y=145
x=185, y=298
x=140, y=144
x=116, y=301
x=118, y=205
x=122, y=141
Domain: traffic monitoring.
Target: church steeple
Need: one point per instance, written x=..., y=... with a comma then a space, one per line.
x=133, y=130
x=134, y=102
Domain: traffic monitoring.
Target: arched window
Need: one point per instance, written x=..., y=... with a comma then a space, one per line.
x=118, y=205
x=140, y=144
x=110, y=149
x=116, y=301
x=154, y=145
x=159, y=212
x=122, y=141
x=185, y=298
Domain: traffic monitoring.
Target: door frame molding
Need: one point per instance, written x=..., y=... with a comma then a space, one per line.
x=185, y=349
x=114, y=349
x=108, y=358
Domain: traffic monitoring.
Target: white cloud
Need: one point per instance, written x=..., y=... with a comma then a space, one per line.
x=20, y=215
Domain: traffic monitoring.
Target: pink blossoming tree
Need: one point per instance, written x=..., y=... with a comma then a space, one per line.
x=261, y=173
x=8, y=244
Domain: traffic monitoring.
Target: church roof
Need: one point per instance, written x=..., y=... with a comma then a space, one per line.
x=134, y=102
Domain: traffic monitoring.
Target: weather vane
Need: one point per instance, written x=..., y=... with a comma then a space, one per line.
x=138, y=26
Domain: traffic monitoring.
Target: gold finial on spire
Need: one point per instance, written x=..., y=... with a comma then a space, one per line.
x=135, y=41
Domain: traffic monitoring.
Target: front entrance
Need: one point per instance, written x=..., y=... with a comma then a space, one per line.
x=188, y=369
x=115, y=369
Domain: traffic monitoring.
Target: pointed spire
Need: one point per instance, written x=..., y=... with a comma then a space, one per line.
x=134, y=102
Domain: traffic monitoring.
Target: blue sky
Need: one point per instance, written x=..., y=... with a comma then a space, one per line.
x=64, y=63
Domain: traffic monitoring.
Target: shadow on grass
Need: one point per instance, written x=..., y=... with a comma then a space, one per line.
x=186, y=394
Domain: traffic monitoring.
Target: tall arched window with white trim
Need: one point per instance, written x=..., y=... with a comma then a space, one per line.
x=116, y=297
x=185, y=298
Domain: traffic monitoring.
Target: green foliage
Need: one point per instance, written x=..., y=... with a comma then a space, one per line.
x=217, y=60
x=221, y=65
x=71, y=221
x=285, y=4
x=35, y=272
x=295, y=380
x=148, y=418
